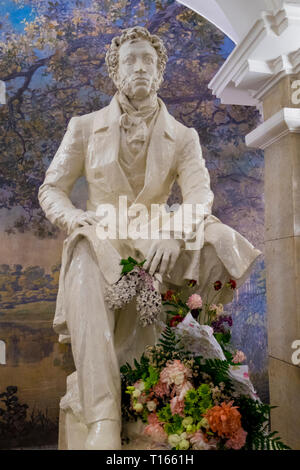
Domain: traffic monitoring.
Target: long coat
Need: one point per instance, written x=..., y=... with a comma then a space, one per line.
x=90, y=147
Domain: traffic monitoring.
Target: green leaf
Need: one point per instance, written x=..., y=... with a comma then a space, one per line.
x=124, y=261
x=127, y=268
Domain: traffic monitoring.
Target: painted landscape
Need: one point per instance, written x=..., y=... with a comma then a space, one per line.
x=52, y=63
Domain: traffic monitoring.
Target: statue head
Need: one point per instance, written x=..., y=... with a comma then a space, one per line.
x=136, y=61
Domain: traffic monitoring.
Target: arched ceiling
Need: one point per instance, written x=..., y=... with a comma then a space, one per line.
x=233, y=17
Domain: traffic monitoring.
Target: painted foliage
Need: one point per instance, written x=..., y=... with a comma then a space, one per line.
x=52, y=64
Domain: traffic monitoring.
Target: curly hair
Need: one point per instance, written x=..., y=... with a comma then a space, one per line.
x=138, y=32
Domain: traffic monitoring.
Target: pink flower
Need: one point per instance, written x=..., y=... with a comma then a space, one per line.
x=175, y=373
x=177, y=406
x=155, y=429
x=239, y=357
x=238, y=440
x=194, y=302
x=246, y=375
x=181, y=391
x=218, y=309
x=140, y=385
x=161, y=389
x=199, y=443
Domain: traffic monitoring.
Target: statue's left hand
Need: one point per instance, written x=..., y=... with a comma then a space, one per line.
x=163, y=252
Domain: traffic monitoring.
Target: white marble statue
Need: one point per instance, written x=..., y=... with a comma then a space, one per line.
x=133, y=148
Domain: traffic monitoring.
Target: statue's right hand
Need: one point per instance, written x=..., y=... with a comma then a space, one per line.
x=85, y=218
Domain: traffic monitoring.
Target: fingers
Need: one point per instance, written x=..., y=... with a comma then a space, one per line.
x=164, y=262
x=149, y=258
x=88, y=218
x=172, y=262
x=155, y=262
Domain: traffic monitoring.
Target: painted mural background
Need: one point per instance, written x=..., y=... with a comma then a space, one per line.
x=52, y=63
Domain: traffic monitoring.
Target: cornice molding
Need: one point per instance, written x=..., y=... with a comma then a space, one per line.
x=253, y=67
x=285, y=122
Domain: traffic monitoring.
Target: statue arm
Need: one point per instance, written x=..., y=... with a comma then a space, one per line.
x=66, y=167
x=192, y=174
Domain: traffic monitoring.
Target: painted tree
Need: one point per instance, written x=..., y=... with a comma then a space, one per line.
x=55, y=69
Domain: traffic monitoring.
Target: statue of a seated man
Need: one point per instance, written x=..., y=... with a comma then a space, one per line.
x=133, y=148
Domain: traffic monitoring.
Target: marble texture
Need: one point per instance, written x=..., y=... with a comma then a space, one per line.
x=284, y=393
x=282, y=192
x=283, y=267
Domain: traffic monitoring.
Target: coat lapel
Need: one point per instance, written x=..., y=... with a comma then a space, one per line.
x=159, y=158
x=160, y=155
x=106, y=142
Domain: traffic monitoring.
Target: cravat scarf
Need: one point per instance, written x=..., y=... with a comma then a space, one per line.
x=134, y=121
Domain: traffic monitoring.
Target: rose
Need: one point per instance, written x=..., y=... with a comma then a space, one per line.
x=231, y=283
x=218, y=285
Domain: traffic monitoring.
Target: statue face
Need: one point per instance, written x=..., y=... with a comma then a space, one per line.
x=137, y=70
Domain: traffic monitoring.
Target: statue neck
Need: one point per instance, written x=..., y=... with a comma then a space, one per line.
x=144, y=106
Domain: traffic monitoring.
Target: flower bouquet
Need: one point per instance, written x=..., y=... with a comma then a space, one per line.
x=190, y=390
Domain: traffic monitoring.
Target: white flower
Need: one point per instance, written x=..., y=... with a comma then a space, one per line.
x=151, y=405
x=219, y=309
x=138, y=407
x=136, y=393
x=174, y=440
x=184, y=444
x=140, y=385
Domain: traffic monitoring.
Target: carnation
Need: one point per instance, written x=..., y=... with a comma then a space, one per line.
x=155, y=429
x=198, y=442
x=175, y=373
x=194, y=302
x=239, y=357
x=238, y=440
x=177, y=406
x=161, y=389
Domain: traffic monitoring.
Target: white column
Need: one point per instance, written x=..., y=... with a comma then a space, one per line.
x=264, y=71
